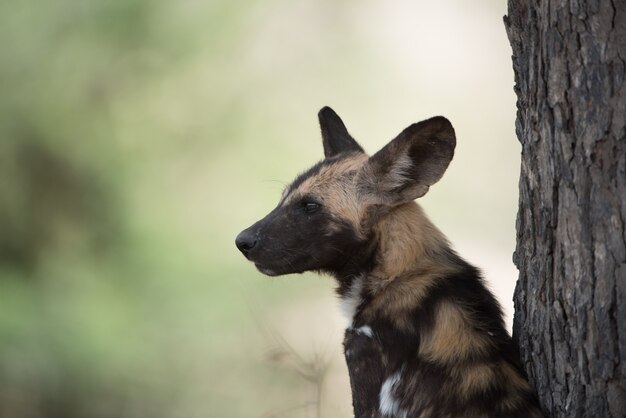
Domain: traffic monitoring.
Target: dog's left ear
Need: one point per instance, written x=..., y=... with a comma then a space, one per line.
x=335, y=136
x=416, y=159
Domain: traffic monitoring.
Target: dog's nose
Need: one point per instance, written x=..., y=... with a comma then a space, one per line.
x=245, y=241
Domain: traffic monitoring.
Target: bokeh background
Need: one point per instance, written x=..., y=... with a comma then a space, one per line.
x=137, y=137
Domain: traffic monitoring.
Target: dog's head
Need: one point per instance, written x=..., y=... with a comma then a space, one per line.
x=325, y=218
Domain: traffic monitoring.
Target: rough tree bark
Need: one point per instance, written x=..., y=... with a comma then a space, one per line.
x=570, y=301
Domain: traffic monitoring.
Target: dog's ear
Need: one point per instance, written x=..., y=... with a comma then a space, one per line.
x=416, y=159
x=335, y=136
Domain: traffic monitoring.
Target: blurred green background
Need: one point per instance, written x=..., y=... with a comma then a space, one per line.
x=137, y=137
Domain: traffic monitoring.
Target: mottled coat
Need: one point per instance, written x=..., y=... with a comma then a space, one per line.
x=426, y=337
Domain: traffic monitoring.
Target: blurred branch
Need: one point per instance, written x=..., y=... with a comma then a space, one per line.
x=313, y=369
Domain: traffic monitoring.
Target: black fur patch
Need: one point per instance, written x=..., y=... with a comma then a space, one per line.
x=425, y=385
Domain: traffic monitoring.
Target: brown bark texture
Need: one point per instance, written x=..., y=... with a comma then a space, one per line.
x=570, y=301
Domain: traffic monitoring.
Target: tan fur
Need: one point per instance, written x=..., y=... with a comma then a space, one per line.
x=453, y=337
x=409, y=263
x=476, y=379
x=337, y=190
x=395, y=297
x=408, y=241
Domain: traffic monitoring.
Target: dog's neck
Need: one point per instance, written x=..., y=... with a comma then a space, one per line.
x=408, y=242
x=409, y=257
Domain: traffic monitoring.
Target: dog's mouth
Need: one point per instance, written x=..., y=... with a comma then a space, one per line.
x=274, y=263
x=266, y=270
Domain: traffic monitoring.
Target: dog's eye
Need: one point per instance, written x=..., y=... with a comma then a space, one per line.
x=309, y=206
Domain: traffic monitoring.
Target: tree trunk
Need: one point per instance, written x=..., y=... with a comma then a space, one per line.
x=570, y=300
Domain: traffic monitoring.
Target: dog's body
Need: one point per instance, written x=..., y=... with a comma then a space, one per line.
x=426, y=338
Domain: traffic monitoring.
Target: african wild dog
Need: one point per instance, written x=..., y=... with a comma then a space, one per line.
x=426, y=337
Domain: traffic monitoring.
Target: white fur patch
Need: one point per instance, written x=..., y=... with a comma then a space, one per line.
x=351, y=301
x=390, y=406
x=365, y=330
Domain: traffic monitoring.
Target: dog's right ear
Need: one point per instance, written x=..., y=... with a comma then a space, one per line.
x=416, y=159
x=335, y=136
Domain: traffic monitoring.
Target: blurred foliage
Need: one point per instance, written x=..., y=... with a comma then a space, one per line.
x=100, y=312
